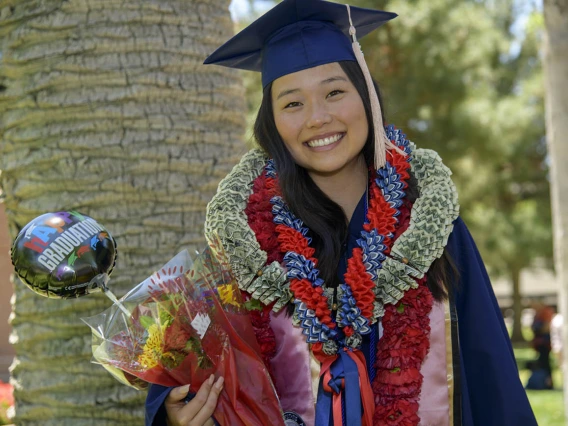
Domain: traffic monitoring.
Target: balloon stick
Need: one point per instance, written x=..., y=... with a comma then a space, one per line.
x=112, y=297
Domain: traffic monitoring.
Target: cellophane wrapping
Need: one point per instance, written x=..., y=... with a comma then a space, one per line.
x=185, y=322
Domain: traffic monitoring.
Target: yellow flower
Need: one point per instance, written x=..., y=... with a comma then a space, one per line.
x=152, y=350
x=227, y=294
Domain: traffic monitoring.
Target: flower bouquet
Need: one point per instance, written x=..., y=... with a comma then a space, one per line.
x=179, y=326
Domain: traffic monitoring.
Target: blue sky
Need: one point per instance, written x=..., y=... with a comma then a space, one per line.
x=241, y=8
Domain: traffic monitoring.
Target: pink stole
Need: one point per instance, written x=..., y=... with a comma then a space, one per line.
x=434, y=408
x=296, y=376
x=291, y=368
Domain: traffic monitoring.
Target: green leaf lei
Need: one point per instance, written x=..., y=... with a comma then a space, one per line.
x=431, y=223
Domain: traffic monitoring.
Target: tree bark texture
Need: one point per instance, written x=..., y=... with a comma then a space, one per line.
x=556, y=81
x=106, y=108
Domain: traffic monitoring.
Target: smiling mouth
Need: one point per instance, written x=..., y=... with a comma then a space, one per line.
x=324, y=141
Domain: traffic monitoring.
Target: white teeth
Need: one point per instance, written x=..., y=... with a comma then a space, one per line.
x=324, y=142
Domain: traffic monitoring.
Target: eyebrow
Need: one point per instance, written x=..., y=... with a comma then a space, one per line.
x=326, y=81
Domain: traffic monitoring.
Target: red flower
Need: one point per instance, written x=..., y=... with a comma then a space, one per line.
x=409, y=357
x=6, y=401
x=176, y=335
x=6, y=394
x=259, y=215
x=398, y=381
x=403, y=218
x=397, y=413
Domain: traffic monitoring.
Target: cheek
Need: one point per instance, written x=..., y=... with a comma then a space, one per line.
x=355, y=116
x=363, y=126
x=288, y=127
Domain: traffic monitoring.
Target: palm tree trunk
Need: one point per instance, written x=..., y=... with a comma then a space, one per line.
x=105, y=108
x=556, y=83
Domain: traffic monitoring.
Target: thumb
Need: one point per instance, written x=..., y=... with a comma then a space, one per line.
x=177, y=394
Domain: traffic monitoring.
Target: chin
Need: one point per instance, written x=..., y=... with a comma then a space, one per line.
x=327, y=170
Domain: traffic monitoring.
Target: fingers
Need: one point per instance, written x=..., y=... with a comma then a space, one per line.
x=208, y=408
x=177, y=394
x=197, y=411
x=189, y=411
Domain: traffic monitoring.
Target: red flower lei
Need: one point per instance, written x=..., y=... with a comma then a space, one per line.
x=401, y=350
x=259, y=218
x=400, y=353
x=406, y=326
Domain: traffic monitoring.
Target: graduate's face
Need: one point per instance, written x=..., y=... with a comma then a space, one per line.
x=321, y=118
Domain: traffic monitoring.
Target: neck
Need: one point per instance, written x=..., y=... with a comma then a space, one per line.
x=346, y=186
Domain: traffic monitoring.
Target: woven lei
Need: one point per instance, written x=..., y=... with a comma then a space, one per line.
x=356, y=301
x=398, y=295
x=410, y=257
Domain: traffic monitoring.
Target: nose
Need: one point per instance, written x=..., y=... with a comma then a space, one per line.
x=319, y=116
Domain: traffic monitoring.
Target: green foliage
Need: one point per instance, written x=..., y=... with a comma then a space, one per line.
x=146, y=321
x=457, y=79
x=548, y=405
x=253, y=305
x=3, y=413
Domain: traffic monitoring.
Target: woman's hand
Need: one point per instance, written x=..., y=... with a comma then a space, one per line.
x=199, y=410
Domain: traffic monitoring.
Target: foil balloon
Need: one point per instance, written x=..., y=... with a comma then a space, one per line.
x=64, y=255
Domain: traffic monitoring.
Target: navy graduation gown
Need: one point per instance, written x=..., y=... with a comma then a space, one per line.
x=491, y=391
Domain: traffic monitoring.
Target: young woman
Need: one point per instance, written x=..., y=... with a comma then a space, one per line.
x=373, y=305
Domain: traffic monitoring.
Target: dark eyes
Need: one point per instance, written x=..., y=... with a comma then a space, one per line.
x=292, y=105
x=334, y=93
x=329, y=95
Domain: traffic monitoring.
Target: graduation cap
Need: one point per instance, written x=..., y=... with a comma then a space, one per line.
x=299, y=34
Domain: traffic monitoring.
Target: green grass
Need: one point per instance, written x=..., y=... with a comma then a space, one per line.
x=546, y=404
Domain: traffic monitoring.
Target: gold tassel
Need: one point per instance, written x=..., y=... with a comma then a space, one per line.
x=381, y=140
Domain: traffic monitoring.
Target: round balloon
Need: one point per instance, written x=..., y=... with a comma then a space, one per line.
x=64, y=255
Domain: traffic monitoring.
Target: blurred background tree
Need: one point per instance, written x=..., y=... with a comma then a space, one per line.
x=464, y=78
x=105, y=108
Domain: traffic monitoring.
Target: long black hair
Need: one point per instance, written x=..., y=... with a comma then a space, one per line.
x=325, y=218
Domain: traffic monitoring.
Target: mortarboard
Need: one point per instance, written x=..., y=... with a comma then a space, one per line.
x=299, y=34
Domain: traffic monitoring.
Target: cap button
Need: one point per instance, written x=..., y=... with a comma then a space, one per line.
x=405, y=260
